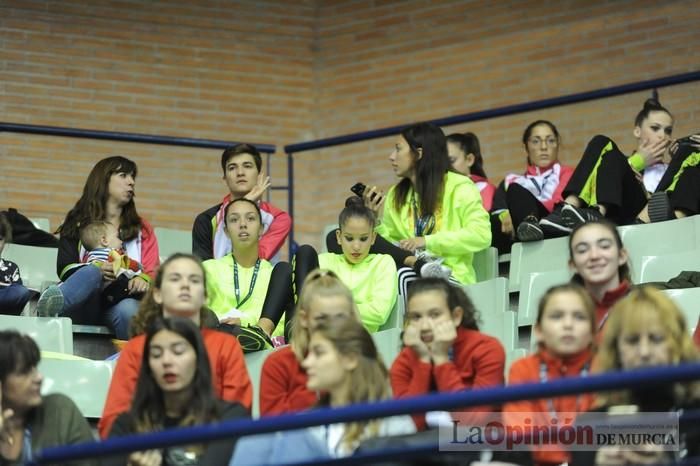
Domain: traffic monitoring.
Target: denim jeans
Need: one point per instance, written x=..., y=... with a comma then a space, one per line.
x=13, y=298
x=81, y=302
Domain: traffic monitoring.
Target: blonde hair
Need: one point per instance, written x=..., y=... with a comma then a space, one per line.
x=368, y=381
x=92, y=233
x=630, y=315
x=319, y=282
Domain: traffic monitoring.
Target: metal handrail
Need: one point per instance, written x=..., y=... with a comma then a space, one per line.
x=646, y=377
x=502, y=111
x=125, y=137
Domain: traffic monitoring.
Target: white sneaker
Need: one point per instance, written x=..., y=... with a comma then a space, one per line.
x=435, y=269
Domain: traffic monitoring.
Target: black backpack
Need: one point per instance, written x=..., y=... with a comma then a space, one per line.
x=24, y=232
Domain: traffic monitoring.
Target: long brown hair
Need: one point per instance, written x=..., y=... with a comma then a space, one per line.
x=93, y=202
x=150, y=310
x=368, y=381
x=148, y=407
x=431, y=168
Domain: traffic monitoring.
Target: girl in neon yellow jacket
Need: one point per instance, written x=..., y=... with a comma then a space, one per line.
x=250, y=297
x=432, y=209
x=371, y=277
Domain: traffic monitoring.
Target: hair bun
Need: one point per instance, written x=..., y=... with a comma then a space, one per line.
x=354, y=201
x=652, y=104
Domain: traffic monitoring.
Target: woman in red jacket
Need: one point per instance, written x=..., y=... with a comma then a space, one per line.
x=108, y=196
x=443, y=348
x=564, y=329
x=283, y=381
x=179, y=290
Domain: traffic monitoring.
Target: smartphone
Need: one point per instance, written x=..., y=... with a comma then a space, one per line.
x=685, y=140
x=358, y=189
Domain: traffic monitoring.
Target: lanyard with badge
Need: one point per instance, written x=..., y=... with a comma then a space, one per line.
x=425, y=224
x=236, y=284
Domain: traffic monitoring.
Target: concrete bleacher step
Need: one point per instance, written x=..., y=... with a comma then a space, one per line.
x=93, y=341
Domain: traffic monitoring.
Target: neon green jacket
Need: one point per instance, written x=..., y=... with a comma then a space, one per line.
x=462, y=225
x=221, y=296
x=374, y=284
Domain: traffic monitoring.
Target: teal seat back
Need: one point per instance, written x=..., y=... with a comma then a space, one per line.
x=533, y=288
x=688, y=300
x=538, y=256
x=254, y=362
x=83, y=380
x=50, y=333
x=327, y=229
x=396, y=318
x=655, y=239
x=490, y=298
x=171, y=241
x=37, y=265
x=41, y=223
x=388, y=344
x=485, y=264
x=662, y=268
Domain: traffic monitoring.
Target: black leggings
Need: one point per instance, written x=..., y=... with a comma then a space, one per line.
x=617, y=186
x=279, y=299
x=305, y=260
x=685, y=195
x=521, y=204
x=380, y=246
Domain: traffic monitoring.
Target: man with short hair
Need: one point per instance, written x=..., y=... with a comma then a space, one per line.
x=241, y=165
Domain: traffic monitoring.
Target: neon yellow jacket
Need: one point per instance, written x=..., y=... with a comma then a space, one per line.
x=462, y=225
x=221, y=296
x=374, y=284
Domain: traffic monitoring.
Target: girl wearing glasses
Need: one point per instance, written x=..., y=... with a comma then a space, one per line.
x=523, y=199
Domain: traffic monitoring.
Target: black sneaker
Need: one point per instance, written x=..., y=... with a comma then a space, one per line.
x=529, y=230
x=575, y=216
x=253, y=338
x=660, y=208
x=553, y=225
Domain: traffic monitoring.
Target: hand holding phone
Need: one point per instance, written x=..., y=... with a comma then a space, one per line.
x=372, y=197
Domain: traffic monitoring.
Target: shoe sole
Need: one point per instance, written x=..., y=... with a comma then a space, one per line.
x=571, y=217
x=435, y=270
x=50, y=303
x=251, y=341
x=529, y=232
x=660, y=208
x=556, y=226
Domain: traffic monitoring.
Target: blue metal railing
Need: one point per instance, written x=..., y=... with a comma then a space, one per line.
x=648, y=378
x=125, y=137
x=507, y=110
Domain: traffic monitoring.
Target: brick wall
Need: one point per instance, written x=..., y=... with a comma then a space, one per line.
x=221, y=70
x=386, y=63
x=275, y=72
